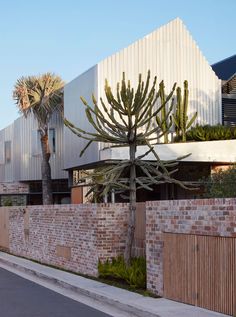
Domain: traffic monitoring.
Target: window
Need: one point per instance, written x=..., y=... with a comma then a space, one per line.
x=7, y=148
x=52, y=140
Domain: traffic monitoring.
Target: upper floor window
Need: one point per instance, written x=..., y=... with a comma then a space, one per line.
x=7, y=150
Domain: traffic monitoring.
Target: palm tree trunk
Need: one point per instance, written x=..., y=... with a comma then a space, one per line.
x=46, y=171
x=132, y=207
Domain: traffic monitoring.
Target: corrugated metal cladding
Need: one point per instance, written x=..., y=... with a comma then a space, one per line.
x=24, y=164
x=6, y=170
x=172, y=55
x=84, y=85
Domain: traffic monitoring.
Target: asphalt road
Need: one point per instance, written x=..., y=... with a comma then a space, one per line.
x=23, y=298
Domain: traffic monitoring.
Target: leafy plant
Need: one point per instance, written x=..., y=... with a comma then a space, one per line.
x=221, y=184
x=134, y=274
x=6, y=202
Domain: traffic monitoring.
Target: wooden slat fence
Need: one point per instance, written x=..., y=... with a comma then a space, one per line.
x=201, y=270
x=140, y=230
x=4, y=229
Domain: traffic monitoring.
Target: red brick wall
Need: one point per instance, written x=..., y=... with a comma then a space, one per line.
x=73, y=237
x=215, y=217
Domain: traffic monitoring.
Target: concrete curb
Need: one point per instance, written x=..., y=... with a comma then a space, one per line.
x=113, y=301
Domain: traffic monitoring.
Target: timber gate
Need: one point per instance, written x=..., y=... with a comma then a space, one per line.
x=201, y=270
x=4, y=229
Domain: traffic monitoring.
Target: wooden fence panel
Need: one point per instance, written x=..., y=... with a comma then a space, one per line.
x=140, y=230
x=4, y=228
x=201, y=270
x=216, y=274
x=180, y=267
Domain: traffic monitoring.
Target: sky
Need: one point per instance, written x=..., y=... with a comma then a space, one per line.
x=68, y=37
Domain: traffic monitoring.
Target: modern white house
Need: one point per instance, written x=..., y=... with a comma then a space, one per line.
x=169, y=52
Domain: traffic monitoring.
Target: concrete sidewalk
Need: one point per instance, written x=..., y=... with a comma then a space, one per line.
x=128, y=303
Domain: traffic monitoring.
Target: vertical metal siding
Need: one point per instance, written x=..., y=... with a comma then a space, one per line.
x=24, y=166
x=6, y=169
x=85, y=85
x=172, y=55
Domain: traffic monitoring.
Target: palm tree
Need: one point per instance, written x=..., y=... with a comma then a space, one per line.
x=41, y=96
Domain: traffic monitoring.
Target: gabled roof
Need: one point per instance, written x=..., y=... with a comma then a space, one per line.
x=226, y=68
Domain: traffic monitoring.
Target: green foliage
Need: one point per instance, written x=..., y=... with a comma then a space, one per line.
x=210, y=133
x=221, y=184
x=180, y=117
x=6, y=202
x=134, y=274
x=41, y=95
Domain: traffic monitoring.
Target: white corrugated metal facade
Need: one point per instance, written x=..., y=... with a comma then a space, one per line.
x=172, y=55
x=85, y=85
x=24, y=164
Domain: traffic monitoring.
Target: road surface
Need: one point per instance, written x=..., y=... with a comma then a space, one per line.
x=22, y=298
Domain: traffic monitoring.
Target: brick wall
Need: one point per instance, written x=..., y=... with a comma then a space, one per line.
x=13, y=194
x=215, y=217
x=73, y=237
x=14, y=188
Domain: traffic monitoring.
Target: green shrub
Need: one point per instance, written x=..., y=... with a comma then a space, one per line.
x=221, y=184
x=133, y=275
x=210, y=133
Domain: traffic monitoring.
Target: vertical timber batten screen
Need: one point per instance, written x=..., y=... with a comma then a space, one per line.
x=201, y=270
x=180, y=267
x=4, y=229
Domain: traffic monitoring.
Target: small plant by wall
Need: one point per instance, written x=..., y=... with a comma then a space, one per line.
x=116, y=270
x=13, y=200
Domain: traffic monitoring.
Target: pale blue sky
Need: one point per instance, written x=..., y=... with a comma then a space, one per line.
x=68, y=37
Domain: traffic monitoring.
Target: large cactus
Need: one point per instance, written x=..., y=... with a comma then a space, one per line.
x=126, y=119
x=180, y=118
x=164, y=120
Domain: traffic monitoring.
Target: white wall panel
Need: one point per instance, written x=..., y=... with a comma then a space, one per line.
x=172, y=55
x=85, y=85
x=6, y=169
x=24, y=165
